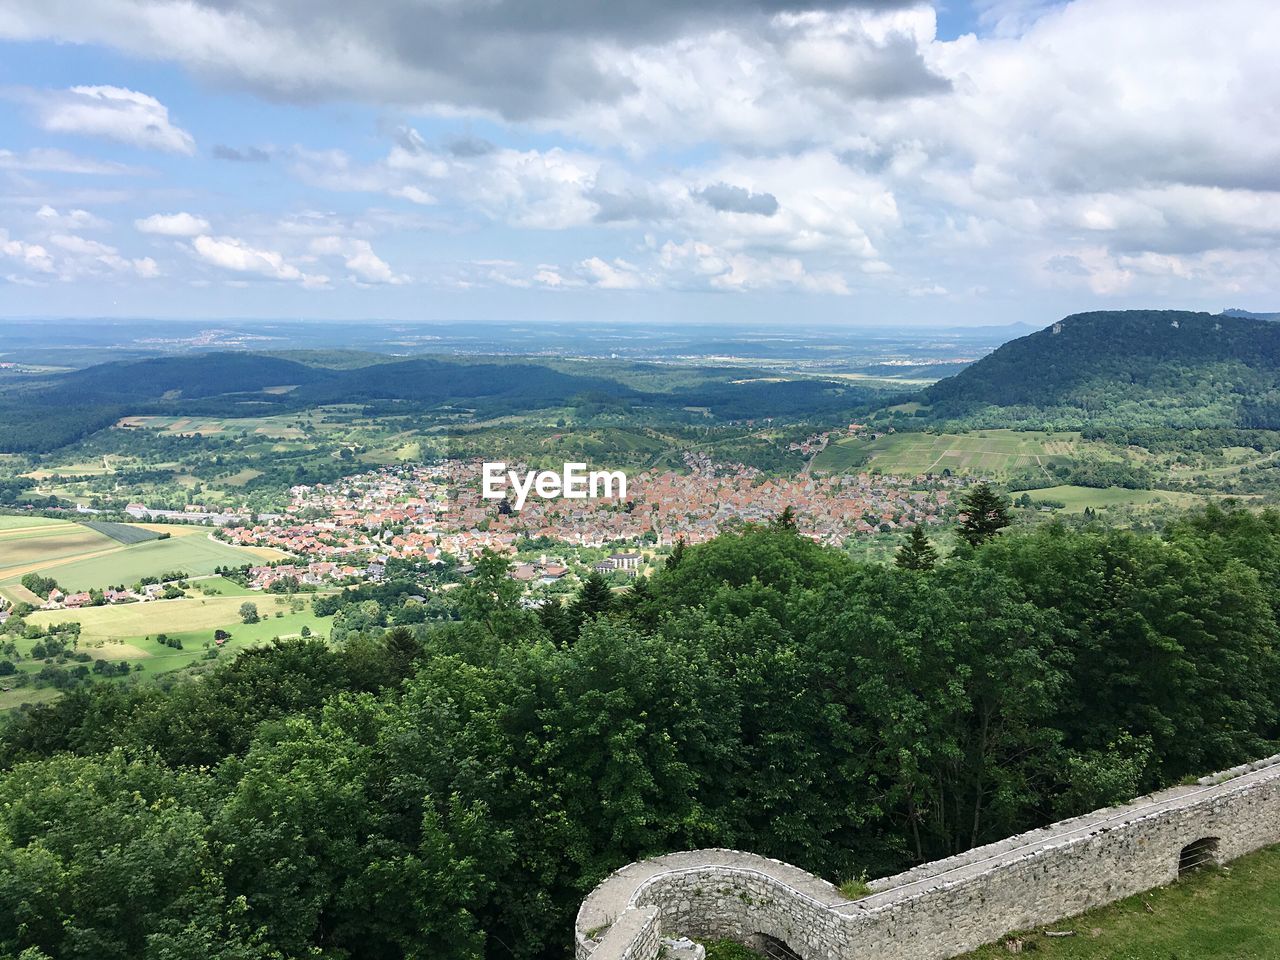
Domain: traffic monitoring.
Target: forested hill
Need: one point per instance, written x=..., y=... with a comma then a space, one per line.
x=44, y=413
x=1125, y=368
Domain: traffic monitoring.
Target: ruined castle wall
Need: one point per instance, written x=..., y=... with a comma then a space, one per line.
x=940, y=909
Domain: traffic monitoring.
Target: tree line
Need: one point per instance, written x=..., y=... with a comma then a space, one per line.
x=452, y=788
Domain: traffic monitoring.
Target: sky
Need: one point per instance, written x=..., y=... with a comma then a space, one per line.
x=761, y=161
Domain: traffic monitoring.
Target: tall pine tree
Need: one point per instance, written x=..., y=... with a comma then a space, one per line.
x=917, y=553
x=983, y=514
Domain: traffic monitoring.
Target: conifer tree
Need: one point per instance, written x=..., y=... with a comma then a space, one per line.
x=917, y=553
x=677, y=555
x=596, y=598
x=983, y=513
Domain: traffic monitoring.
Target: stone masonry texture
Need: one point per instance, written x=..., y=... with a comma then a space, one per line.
x=940, y=909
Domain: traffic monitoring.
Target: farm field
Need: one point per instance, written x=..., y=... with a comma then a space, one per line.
x=23, y=550
x=1229, y=914
x=17, y=593
x=156, y=658
x=161, y=616
x=128, y=633
x=988, y=452
x=125, y=533
x=21, y=523
x=282, y=428
x=80, y=558
x=16, y=698
x=1077, y=498
x=223, y=586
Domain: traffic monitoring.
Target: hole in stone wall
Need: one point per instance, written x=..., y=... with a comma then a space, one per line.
x=1197, y=854
x=772, y=947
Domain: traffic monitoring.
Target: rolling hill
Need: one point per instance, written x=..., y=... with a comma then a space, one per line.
x=1124, y=368
x=45, y=413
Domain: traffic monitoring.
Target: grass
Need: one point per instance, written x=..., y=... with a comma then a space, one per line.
x=855, y=889
x=158, y=658
x=987, y=452
x=1228, y=914
x=9, y=699
x=17, y=593
x=283, y=427
x=221, y=586
x=76, y=566
x=1077, y=498
x=131, y=620
x=8, y=522
x=25, y=551
x=728, y=950
x=129, y=632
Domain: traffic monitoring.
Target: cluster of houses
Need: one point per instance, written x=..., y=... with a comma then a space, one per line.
x=348, y=529
x=419, y=512
x=59, y=600
x=316, y=573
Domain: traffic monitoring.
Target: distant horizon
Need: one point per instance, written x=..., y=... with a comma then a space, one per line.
x=755, y=324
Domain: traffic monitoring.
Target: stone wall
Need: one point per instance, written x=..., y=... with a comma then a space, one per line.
x=940, y=909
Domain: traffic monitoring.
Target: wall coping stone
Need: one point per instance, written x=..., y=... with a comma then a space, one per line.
x=612, y=917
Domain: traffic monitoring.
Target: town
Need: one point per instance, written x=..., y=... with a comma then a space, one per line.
x=422, y=512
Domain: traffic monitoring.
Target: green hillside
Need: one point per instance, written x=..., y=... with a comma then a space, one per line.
x=1131, y=368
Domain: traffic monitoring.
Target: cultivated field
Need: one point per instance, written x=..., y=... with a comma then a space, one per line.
x=125, y=533
x=25, y=550
x=22, y=523
x=1077, y=498
x=131, y=621
x=80, y=558
x=282, y=428
x=17, y=593
x=191, y=555
x=129, y=633
x=988, y=452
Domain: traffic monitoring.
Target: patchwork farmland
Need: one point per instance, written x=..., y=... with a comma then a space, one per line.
x=80, y=558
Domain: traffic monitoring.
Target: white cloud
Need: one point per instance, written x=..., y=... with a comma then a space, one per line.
x=180, y=224
x=358, y=257
x=115, y=113
x=69, y=220
x=615, y=275
x=1094, y=146
x=77, y=258
x=32, y=256
x=230, y=253
x=48, y=160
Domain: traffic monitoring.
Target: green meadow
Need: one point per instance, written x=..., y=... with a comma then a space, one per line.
x=986, y=452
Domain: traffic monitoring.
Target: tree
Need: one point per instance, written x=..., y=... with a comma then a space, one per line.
x=786, y=520
x=249, y=612
x=983, y=514
x=596, y=598
x=677, y=555
x=917, y=553
x=402, y=650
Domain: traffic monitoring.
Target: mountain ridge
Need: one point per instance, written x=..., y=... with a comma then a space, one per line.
x=1132, y=367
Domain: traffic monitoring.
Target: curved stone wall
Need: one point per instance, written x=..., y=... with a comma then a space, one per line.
x=941, y=909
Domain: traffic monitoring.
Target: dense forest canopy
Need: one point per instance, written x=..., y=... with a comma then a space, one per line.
x=1131, y=369
x=46, y=413
x=448, y=783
